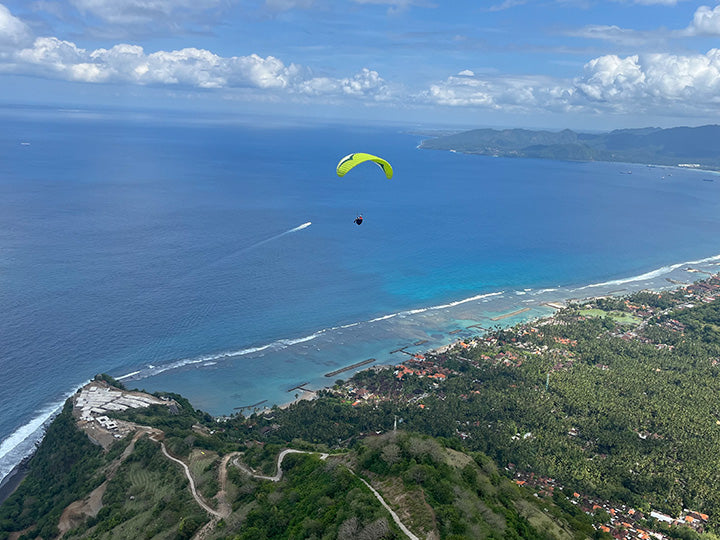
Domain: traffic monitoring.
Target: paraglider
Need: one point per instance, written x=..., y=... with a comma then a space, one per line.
x=352, y=160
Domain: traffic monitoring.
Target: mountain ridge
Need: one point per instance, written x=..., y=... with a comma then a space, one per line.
x=651, y=145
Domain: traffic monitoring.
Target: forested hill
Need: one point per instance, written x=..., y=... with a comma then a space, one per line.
x=600, y=422
x=673, y=146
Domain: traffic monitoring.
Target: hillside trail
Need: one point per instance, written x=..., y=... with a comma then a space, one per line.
x=78, y=511
x=224, y=507
x=323, y=456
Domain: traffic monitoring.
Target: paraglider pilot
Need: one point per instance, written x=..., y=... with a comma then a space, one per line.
x=358, y=220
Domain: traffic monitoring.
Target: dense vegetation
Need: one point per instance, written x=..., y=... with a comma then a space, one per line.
x=629, y=414
x=66, y=467
x=315, y=500
x=615, y=400
x=650, y=145
x=147, y=498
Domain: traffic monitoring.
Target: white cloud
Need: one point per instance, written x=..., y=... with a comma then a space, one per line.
x=285, y=5
x=706, y=21
x=13, y=31
x=656, y=83
x=190, y=67
x=396, y=6
x=366, y=84
x=507, y=4
x=511, y=93
x=141, y=11
x=54, y=58
x=618, y=35
x=653, y=80
x=130, y=64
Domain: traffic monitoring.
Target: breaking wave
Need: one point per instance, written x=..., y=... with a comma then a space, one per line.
x=652, y=274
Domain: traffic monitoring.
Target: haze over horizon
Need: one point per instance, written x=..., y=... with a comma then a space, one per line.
x=579, y=64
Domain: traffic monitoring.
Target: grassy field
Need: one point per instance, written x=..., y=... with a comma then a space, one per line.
x=617, y=316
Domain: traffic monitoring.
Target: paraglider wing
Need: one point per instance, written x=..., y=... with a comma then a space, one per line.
x=351, y=160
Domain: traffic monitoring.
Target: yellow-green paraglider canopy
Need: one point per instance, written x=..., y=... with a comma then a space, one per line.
x=349, y=161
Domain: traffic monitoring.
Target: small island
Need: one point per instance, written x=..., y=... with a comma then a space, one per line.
x=692, y=147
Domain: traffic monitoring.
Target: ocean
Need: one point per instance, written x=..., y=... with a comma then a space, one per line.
x=220, y=260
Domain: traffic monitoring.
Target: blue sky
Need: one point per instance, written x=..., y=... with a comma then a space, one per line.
x=582, y=64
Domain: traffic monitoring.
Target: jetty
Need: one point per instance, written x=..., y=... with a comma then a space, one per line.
x=421, y=342
x=554, y=305
x=250, y=406
x=455, y=331
x=518, y=312
x=346, y=368
x=481, y=327
x=695, y=270
x=298, y=386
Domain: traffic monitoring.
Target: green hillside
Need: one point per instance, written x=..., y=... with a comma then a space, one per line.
x=591, y=423
x=698, y=145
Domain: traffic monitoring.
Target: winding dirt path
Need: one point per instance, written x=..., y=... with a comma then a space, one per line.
x=278, y=476
x=195, y=494
x=79, y=511
x=224, y=507
x=395, y=517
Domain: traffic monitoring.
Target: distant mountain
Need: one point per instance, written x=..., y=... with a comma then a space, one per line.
x=673, y=146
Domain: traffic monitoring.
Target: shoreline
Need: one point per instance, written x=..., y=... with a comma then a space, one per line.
x=678, y=166
x=12, y=481
x=660, y=283
x=436, y=321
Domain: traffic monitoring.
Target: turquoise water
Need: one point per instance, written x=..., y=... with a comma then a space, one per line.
x=180, y=253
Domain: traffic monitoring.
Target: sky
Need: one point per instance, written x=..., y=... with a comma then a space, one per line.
x=580, y=64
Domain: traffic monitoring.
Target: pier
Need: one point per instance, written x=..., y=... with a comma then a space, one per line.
x=518, y=312
x=477, y=326
x=346, y=368
x=299, y=386
x=250, y=406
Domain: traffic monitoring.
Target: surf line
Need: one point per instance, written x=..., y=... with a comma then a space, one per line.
x=651, y=274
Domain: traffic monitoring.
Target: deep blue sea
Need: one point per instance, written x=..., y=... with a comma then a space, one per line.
x=221, y=261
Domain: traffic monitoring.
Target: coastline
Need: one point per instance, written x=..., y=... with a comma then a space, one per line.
x=678, y=166
x=433, y=329
x=10, y=483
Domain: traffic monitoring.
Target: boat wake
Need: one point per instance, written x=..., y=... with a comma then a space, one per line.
x=290, y=231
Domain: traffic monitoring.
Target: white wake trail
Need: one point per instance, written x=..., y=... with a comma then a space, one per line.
x=298, y=228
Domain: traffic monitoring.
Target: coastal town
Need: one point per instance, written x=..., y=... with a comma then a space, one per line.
x=618, y=520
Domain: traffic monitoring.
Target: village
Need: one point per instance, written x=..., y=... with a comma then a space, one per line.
x=620, y=521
